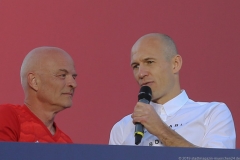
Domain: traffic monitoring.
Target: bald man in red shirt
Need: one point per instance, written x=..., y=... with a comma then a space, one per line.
x=48, y=80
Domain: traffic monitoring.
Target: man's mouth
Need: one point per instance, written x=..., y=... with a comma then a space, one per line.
x=146, y=83
x=71, y=94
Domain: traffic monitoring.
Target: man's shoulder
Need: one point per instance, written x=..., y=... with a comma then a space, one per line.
x=8, y=108
x=9, y=126
x=121, y=130
x=126, y=119
x=12, y=111
x=209, y=108
x=125, y=122
x=212, y=104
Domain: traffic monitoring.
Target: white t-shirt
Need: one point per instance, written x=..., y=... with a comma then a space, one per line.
x=201, y=123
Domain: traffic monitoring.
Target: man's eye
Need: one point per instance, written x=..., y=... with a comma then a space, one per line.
x=62, y=75
x=74, y=76
x=149, y=62
x=135, y=66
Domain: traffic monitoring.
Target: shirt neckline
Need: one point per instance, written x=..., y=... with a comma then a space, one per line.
x=55, y=136
x=173, y=105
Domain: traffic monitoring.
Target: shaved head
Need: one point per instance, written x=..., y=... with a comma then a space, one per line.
x=158, y=39
x=38, y=59
x=156, y=63
x=48, y=79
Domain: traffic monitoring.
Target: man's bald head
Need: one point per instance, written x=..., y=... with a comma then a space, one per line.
x=37, y=59
x=156, y=63
x=166, y=44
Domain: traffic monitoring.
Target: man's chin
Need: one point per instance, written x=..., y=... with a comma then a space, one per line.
x=67, y=105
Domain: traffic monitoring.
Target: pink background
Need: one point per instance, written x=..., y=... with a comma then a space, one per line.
x=99, y=35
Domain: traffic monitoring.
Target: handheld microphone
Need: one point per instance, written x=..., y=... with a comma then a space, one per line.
x=144, y=96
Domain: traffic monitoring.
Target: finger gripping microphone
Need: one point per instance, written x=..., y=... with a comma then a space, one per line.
x=144, y=96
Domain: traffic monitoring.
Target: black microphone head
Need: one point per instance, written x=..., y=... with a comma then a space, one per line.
x=145, y=93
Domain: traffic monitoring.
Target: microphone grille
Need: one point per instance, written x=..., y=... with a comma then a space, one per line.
x=145, y=93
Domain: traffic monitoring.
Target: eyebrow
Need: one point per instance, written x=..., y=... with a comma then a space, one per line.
x=66, y=71
x=145, y=59
x=63, y=70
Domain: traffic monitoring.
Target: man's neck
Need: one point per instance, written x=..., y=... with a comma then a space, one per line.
x=165, y=99
x=45, y=116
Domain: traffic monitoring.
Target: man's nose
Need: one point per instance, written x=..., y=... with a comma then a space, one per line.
x=142, y=72
x=72, y=82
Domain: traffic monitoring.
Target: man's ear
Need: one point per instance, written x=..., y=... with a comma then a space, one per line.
x=176, y=63
x=32, y=81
